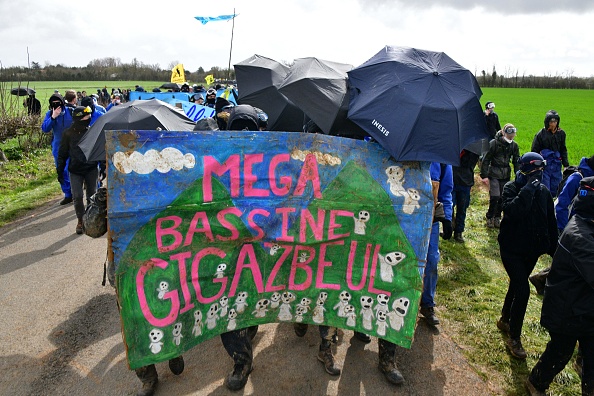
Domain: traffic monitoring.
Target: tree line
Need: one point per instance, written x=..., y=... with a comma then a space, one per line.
x=106, y=69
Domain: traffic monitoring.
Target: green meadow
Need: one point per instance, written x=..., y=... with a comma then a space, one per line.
x=526, y=109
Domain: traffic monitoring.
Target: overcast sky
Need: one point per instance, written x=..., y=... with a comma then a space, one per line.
x=522, y=37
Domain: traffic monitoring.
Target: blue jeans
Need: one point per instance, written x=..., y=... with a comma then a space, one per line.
x=461, y=201
x=430, y=273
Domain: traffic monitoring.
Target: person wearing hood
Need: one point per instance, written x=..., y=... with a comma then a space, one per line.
x=57, y=120
x=88, y=101
x=222, y=111
x=528, y=230
x=80, y=170
x=550, y=143
x=211, y=97
x=568, y=304
x=496, y=170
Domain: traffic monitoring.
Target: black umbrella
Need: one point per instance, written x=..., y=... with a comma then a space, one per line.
x=22, y=91
x=171, y=85
x=320, y=89
x=258, y=78
x=419, y=105
x=136, y=115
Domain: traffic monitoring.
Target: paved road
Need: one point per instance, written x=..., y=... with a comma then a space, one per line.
x=60, y=334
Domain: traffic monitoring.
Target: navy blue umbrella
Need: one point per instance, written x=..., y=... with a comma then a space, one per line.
x=419, y=105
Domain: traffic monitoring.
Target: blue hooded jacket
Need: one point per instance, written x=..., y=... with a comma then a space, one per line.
x=58, y=126
x=569, y=191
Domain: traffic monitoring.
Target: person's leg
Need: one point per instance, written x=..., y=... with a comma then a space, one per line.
x=91, y=184
x=587, y=354
x=149, y=378
x=430, y=277
x=497, y=210
x=387, y=361
x=556, y=355
x=463, y=202
x=65, y=184
x=327, y=337
x=238, y=344
x=546, y=177
x=76, y=184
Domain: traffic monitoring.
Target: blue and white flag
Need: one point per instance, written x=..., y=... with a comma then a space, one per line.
x=205, y=20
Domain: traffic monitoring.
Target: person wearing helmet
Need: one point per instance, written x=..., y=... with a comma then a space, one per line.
x=550, y=143
x=495, y=170
x=211, y=98
x=528, y=230
x=492, y=120
x=568, y=305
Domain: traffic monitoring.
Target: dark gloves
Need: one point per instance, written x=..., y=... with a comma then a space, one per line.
x=60, y=176
x=447, y=229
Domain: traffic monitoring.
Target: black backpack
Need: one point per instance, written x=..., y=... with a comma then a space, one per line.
x=570, y=170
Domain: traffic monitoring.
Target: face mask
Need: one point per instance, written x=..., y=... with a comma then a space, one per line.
x=508, y=140
x=82, y=124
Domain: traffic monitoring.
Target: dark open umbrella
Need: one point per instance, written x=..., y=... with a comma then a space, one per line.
x=22, y=91
x=171, y=85
x=136, y=115
x=320, y=89
x=258, y=79
x=419, y=105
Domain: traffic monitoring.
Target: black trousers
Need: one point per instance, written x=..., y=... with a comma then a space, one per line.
x=556, y=356
x=238, y=344
x=518, y=268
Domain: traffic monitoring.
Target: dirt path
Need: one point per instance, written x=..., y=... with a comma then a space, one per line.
x=60, y=334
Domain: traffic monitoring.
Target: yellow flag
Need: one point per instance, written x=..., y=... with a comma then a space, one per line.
x=177, y=74
x=209, y=79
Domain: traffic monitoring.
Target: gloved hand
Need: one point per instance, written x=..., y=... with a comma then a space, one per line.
x=60, y=176
x=447, y=229
x=534, y=180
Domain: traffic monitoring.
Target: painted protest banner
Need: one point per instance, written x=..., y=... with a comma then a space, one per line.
x=217, y=231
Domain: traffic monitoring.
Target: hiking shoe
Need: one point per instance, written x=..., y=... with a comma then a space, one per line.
x=429, y=314
x=532, y=391
x=391, y=373
x=539, y=283
x=515, y=348
x=458, y=237
x=237, y=379
x=325, y=356
x=79, y=227
x=496, y=222
x=363, y=337
x=300, y=329
x=176, y=365
x=490, y=223
x=66, y=201
x=149, y=378
x=503, y=325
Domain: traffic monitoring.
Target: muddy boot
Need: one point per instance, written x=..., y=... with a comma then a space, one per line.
x=514, y=345
x=79, y=227
x=496, y=222
x=363, y=337
x=239, y=376
x=149, y=378
x=325, y=356
x=458, y=237
x=176, y=365
x=387, y=365
x=300, y=329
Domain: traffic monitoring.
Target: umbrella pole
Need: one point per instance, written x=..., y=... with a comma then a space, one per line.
x=231, y=47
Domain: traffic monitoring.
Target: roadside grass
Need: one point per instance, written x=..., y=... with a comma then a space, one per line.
x=26, y=182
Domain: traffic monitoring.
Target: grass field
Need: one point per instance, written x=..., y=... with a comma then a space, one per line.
x=472, y=282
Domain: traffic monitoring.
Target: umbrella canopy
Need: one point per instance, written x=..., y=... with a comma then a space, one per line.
x=136, y=115
x=320, y=89
x=171, y=85
x=258, y=79
x=419, y=105
x=22, y=91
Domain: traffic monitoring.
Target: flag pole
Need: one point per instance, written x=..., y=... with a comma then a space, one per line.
x=231, y=47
